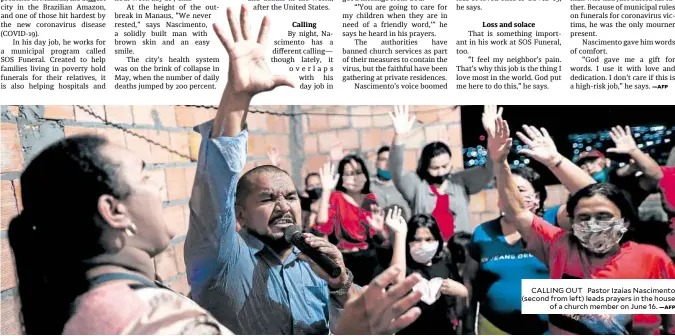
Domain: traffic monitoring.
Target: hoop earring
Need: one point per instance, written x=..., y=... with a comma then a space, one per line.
x=131, y=230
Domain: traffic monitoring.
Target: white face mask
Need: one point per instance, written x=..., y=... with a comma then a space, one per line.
x=424, y=252
x=599, y=236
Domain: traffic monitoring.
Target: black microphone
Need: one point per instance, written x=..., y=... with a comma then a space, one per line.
x=294, y=236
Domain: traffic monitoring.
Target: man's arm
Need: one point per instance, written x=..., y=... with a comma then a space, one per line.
x=543, y=149
x=212, y=215
x=223, y=151
x=406, y=182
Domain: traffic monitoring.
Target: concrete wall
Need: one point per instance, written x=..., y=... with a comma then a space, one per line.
x=303, y=141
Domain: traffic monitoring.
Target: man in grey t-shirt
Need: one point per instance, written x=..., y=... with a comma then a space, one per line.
x=383, y=187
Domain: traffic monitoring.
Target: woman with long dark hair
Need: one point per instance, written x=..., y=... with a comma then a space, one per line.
x=84, y=242
x=433, y=189
x=597, y=246
x=418, y=248
x=498, y=263
x=344, y=208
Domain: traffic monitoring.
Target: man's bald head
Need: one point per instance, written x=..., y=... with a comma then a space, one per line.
x=248, y=180
x=266, y=202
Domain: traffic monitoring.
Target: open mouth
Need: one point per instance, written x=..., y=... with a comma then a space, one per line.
x=285, y=220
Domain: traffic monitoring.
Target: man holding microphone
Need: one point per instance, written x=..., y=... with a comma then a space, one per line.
x=254, y=281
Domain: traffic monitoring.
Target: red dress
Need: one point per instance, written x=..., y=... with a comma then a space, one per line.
x=348, y=222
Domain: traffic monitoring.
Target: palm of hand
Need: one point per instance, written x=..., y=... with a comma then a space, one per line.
x=376, y=221
x=397, y=224
x=329, y=182
x=337, y=153
x=490, y=116
x=401, y=125
x=248, y=70
x=625, y=144
x=544, y=150
x=498, y=148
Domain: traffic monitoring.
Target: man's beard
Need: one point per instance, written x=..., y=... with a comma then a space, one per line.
x=276, y=240
x=277, y=244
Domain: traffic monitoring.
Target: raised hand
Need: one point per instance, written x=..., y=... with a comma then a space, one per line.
x=329, y=179
x=542, y=148
x=401, y=120
x=376, y=220
x=337, y=152
x=623, y=140
x=378, y=310
x=490, y=115
x=395, y=221
x=273, y=156
x=248, y=72
x=499, y=143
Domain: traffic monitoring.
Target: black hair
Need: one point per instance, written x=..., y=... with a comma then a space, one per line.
x=383, y=149
x=246, y=180
x=424, y=221
x=341, y=169
x=530, y=175
x=459, y=246
x=310, y=175
x=429, y=152
x=57, y=229
x=616, y=196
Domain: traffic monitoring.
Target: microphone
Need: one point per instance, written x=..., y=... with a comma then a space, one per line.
x=294, y=236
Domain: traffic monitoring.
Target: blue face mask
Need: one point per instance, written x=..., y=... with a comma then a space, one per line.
x=601, y=176
x=383, y=174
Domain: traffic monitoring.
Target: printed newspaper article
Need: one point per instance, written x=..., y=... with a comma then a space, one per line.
x=411, y=51
x=415, y=167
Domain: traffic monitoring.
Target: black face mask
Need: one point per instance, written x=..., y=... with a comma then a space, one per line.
x=314, y=194
x=437, y=179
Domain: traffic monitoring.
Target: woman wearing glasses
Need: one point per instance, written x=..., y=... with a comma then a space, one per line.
x=344, y=209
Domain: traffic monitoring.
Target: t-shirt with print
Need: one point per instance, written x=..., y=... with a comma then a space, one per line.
x=567, y=259
x=502, y=268
x=116, y=309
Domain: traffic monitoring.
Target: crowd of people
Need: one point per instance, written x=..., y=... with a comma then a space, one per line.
x=410, y=259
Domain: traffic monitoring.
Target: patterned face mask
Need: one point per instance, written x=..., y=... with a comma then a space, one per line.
x=599, y=236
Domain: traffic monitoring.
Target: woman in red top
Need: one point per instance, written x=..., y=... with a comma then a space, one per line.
x=596, y=248
x=667, y=188
x=344, y=213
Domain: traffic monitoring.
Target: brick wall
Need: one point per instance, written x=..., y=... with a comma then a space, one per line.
x=25, y=130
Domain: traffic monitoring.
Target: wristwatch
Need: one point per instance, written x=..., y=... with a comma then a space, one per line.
x=344, y=289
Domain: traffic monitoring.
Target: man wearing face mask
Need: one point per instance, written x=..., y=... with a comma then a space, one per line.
x=383, y=187
x=308, y=201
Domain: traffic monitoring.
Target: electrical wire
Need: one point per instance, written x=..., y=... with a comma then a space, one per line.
x=89, y=111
